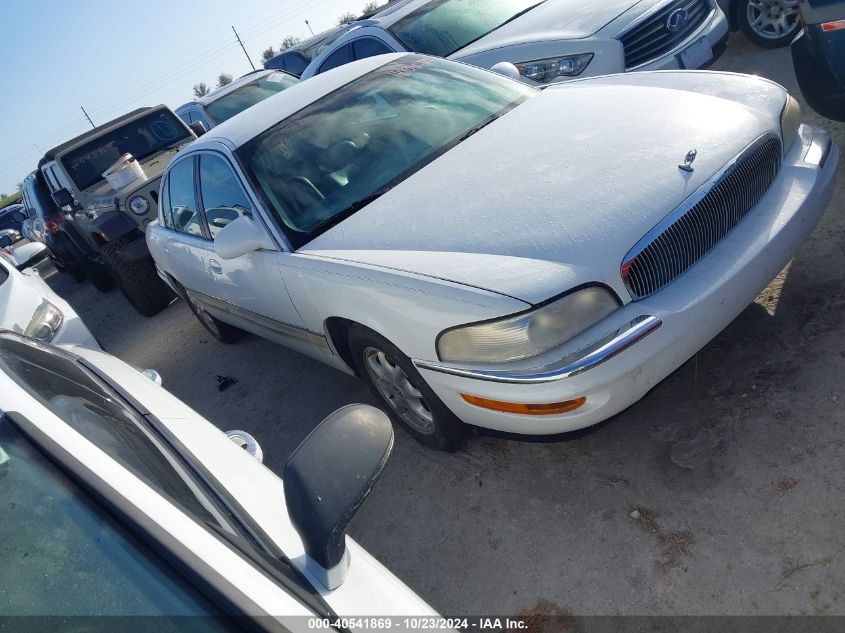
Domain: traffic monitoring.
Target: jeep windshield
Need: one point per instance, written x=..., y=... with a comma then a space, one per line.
x=341, y=152
x=442, y=27
x=248, y=95
x=152, y=133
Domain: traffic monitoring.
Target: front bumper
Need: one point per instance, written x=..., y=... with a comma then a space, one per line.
x=616, y=362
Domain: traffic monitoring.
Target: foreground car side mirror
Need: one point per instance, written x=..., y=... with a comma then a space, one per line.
x=63, y=198
x=241, y=236
x=197, y=127
x=326, y=480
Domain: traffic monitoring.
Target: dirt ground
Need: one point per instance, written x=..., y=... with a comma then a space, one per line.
x=723, y=491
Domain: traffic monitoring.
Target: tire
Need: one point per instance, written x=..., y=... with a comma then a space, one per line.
x=414, y=406
x=138, y=281
x=222, y=332
x=81, y=268
x=61, y=247
x=780, y=21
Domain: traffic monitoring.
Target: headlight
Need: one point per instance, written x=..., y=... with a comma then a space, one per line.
x=528, y=334
x=790, y=121
x=544, y=70
x=139, y=205
x=45, y=323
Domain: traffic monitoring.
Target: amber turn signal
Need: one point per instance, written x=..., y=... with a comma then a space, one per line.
x=525, y=409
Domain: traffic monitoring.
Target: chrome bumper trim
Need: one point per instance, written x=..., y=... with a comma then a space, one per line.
x=576, y=363
x=819, y=148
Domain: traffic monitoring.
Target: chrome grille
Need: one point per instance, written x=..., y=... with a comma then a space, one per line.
x=652, y=38
x=703, y=220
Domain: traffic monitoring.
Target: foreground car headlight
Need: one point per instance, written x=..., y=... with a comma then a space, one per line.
x=139, y=205
x=45, y=323
x=530, y=333
x=790, y=121
x=544, y=70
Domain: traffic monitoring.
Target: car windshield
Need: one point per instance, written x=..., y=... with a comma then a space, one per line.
x=441, y=27
x=64, y=554
x=143, y=137
x=248, y=95
x=344, y=150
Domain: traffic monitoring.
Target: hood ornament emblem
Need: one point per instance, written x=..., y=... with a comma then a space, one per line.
x=689, y=159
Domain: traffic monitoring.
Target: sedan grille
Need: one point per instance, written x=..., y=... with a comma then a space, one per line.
x=663, y=30
x=703, y=220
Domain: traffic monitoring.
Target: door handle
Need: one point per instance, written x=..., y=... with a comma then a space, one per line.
x=215, y=266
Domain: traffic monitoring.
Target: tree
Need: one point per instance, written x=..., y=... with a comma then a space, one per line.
x=201, y=89
x=223, y=79
x=268, y=54
x=346, y=18
x=371, y=7
x=289, y=41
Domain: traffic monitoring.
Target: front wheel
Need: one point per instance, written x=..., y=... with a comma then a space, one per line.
x=768, y=23
x=138, y=281
x=409, y=400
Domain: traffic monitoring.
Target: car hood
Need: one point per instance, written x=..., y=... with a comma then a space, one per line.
x=549, y=21
x=557, y=191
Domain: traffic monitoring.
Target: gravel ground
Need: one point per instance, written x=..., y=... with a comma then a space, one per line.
x=720, y=492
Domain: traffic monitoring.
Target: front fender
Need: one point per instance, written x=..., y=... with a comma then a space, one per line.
x=409, y=310
x=113, y=225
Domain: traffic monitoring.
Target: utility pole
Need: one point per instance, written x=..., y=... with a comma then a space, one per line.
x=309, y=27
x=87, y=117
x=244, y=48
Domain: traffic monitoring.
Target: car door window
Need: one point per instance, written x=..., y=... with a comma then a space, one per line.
x=223, y=197
x=369, y=47
x=296, y=63
x=341, y=56
x=182, y=199
x=166, y=218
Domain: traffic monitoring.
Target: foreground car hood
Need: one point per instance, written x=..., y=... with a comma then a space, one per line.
x=551, y=20
x=558, y=190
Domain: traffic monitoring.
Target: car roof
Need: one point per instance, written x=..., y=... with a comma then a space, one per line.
x=90, y=134
x=248, y=124
x=214, y=95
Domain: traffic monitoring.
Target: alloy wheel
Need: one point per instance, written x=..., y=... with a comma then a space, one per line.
x=396, y=388
x=772, y=19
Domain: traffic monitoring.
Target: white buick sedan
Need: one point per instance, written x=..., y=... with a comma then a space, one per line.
x=485, y=253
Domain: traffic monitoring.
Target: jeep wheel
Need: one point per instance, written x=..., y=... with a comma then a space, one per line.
x=81, y=268
x=138, y=281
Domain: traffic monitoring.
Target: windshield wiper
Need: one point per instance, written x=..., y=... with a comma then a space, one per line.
x=352, y=208
x=475, y=129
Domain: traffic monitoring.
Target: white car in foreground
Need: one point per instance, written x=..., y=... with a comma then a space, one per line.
x=28, y=305
x=143, y=508
x=546, y=40
x=487, y=253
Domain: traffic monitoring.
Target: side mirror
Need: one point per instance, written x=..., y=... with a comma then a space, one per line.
x=241, y=236
x=326, y=480
x=507, y=69
x=19, y=216
x=63, y=198
x=197, y=127
x=5, y=241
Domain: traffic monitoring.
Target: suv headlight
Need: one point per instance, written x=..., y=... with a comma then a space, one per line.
x=790, y=121
x=544, y=70
x=139, y=205
x=527, y=334
x=45, y=323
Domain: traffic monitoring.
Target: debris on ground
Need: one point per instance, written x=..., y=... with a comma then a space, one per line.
x=224, y=382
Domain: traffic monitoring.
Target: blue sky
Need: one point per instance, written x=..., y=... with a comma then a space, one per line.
x=112, y=57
